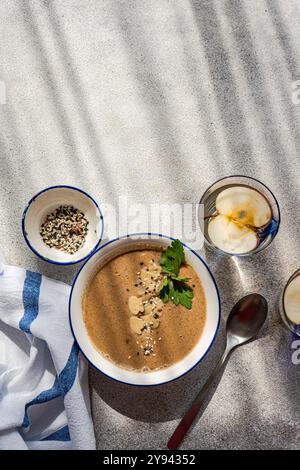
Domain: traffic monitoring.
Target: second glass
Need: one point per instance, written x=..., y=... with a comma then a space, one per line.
x=289, y=304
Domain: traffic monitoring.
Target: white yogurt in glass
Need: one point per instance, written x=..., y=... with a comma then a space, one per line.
x=290, y=303
x=292, y=300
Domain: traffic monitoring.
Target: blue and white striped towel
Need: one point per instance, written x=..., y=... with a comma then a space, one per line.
x=44, y=400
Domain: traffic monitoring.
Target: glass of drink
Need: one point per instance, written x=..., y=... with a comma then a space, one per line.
x=241, y=216
x=289, y=304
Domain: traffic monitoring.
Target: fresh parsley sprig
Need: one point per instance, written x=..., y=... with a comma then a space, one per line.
x=174, y=287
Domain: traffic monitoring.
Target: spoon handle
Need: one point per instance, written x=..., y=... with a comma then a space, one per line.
x=188, y=419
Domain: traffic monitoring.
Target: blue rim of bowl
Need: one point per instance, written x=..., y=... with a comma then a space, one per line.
x=214, y=282
x=67, y=263
x=276, y=203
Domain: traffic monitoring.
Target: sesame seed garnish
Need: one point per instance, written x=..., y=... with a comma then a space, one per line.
x=65, y=229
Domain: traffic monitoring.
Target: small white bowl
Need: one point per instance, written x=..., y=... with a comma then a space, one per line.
x=47, y=201
x=109, y=251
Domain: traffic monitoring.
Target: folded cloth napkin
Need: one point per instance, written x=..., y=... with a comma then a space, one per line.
x=44, y=400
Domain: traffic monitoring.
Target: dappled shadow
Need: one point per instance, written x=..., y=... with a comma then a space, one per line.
x=289, y=50
x=90, y=127
x=231, y=113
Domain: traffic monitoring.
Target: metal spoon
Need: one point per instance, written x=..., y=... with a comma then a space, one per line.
x=244, y=322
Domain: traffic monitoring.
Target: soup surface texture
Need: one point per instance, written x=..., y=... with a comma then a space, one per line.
x=170, y=334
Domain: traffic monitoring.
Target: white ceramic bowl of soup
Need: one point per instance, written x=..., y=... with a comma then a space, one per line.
x=105, y=254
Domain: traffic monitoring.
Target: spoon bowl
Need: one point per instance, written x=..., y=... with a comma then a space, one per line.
x=246, y=319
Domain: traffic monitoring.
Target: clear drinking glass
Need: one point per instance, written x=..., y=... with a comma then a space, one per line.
x=295, y=328
x=266, y=235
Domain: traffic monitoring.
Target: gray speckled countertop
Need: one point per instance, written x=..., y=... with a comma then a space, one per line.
x=102, y=94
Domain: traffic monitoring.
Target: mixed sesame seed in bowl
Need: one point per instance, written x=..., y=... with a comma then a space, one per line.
x=62, y=225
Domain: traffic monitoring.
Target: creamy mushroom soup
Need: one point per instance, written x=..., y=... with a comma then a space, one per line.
x=128, y=322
